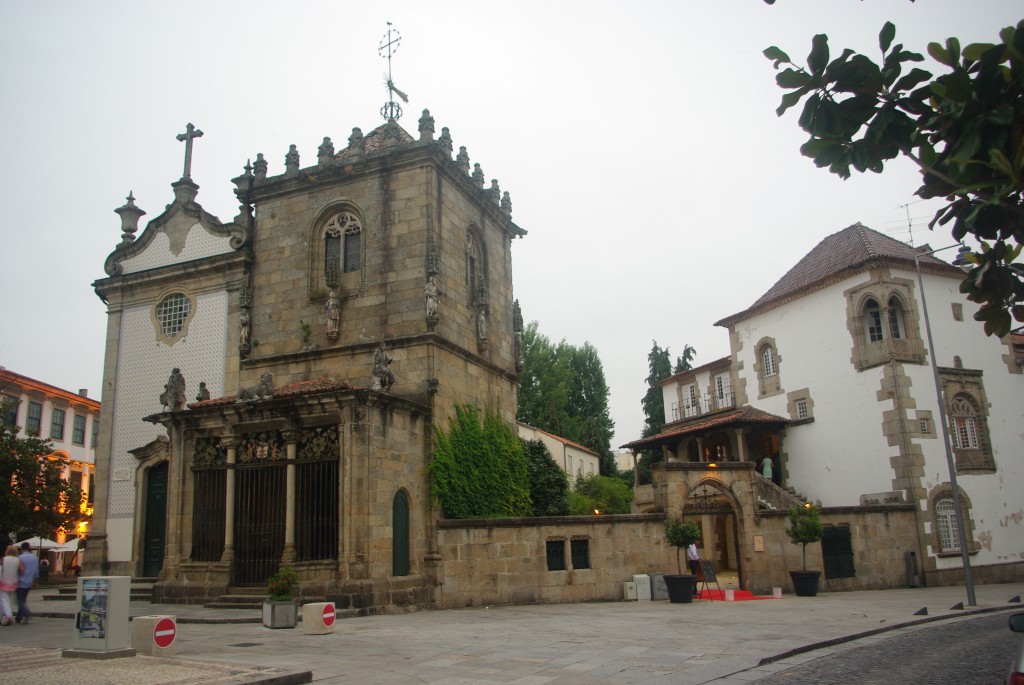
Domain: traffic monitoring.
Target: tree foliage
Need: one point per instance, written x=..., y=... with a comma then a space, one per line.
x=562, y=390
x=479, y=469
x=659, y=366
x=964, y=129
x=548, y=483
x=680, y=534
x=684, y=362
x=805, y=527
x=606, y=494
x=34, y=498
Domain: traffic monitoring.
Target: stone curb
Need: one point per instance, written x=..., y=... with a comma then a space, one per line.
x=876, y=631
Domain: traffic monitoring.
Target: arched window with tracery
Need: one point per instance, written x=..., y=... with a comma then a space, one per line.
x=946, y=526
x=873, y=320
x=768, y=361
x=897, y=325
x=965, y=426
x=342, y=246
x=476, y=268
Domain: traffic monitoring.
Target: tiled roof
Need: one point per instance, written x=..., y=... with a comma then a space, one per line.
x=315, y=386
x=721, y=362
x=852, y=249
x=561, y=439
x=375, y=140
x=741, y=415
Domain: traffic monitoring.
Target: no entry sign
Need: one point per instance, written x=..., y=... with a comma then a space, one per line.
x=164, y=632
x=329, y=614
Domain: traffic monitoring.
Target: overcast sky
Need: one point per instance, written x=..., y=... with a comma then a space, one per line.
x=638, y=141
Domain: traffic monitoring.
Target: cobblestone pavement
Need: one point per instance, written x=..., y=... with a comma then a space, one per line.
x=644, y=643
x=971, y=651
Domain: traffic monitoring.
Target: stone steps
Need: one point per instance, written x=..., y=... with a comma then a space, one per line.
x=141, y=590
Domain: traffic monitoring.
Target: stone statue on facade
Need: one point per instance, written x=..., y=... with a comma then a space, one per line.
x=445, y=140
x=462, y=160
x=482, y=326
x=478, y=175
x=325, y=153
x=291, y=161
x=332, y=310
x=173, y=396
x=243, y=330
x=356, y=145
x=204, y=393
x=506, y=204
x=259, y=168
x=432, y=296
x=263, y=390
x=383, y=376
x=426, y=126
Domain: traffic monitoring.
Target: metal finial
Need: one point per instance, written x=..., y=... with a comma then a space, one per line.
x=389, y=46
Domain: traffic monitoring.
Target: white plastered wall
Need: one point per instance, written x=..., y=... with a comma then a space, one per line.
x=144, y=365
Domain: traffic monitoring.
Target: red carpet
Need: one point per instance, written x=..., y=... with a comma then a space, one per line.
x=737, y=595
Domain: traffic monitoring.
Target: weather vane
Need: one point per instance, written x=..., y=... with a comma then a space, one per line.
x=389, y=46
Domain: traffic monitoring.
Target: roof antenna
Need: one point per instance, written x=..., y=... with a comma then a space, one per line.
x=389, y=46
x=910, y=225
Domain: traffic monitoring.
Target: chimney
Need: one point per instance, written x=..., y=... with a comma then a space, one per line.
x=83, y=392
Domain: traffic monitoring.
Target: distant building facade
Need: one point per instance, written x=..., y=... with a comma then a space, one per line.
x=68, y=419
x=575, y=459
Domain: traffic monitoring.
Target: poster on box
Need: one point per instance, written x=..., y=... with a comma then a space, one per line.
x=92, y=615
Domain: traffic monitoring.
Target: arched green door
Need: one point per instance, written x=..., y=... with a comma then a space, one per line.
x=400, y=528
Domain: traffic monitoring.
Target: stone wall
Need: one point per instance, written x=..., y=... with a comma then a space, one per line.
x=504, y=561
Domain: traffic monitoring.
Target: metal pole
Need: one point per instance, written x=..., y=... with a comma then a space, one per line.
x=961, y=529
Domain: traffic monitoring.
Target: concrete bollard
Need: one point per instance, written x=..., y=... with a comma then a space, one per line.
x=777, y=593
x=730, y=595
x=154, y=635
x=318, y=618
x=643, y=586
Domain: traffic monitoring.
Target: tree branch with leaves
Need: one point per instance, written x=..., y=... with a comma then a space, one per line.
x=964, y=129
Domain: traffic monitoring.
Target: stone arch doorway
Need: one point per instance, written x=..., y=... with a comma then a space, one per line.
x=716, y=511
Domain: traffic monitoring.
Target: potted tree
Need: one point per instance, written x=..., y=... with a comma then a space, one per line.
x=805, y=527
x=681, y=534
x=280, y=609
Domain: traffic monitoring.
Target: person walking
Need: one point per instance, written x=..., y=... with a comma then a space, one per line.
x=11, y=567
x=26, y=579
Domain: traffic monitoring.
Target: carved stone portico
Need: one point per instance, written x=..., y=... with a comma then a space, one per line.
x=317, y=443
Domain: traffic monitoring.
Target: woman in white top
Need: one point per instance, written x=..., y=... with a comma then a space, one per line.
x=8, y=584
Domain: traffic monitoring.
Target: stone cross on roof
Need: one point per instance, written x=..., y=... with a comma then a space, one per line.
x=190, y=133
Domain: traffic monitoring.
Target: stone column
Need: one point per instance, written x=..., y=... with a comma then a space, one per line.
x=741, y=446
x=290, y=436
x=700, y=448
x=228, y=555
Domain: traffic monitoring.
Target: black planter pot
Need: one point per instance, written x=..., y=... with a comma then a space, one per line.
x=680, y=588
x=805, y=583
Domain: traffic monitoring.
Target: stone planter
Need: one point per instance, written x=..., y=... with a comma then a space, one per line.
x=805, y=583
x=280, y=614
x=681, y=588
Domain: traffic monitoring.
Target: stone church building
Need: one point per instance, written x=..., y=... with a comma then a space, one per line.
x=271, y=384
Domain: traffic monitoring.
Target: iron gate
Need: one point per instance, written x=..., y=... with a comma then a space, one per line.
x=260, y=502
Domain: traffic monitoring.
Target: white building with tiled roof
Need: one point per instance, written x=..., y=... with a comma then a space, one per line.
x=830, y=376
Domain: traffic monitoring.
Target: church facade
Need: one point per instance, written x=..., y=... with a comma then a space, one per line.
x=271, y=384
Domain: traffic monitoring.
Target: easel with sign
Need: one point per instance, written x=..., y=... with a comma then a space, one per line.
x=705, y=575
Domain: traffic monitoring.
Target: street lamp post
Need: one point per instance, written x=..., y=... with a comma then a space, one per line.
x=961, y=528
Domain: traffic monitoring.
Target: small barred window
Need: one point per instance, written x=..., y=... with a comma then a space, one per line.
x=172, y=312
